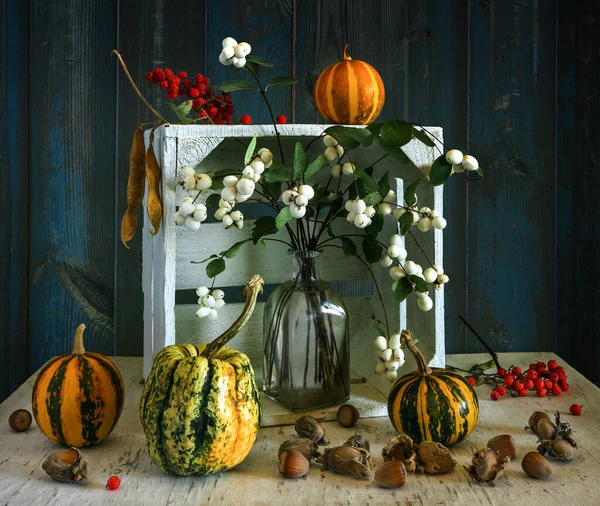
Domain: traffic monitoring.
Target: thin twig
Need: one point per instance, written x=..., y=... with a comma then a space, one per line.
x=485, y=345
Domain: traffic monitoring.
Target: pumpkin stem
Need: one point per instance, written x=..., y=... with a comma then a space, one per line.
x=346, y=55
x=406, y=340
x=253, y=287
x=78, y=348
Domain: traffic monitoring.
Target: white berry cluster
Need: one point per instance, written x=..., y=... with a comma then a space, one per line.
x=209, y=302
x=359, y=213
x=228, y=216
x=297, y=198
x=234, y=53
x=190, y=215
x=425, y=218
x=385, y=206
x=461, y=162
x=333, y=152
x=391, y=356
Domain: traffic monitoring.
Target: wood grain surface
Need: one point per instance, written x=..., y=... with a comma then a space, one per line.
x=514, y=82
x=256, y=480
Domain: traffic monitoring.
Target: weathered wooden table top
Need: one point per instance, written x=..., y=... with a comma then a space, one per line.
x=256, y=480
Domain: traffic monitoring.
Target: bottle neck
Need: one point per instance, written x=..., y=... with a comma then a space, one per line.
x=306, y=265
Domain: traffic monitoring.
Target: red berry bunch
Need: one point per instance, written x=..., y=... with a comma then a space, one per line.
x=218, y=109
x=540, y=377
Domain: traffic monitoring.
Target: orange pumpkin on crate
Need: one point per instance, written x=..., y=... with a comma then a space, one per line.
x=349, y=92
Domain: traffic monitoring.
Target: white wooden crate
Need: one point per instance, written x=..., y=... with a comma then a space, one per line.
x=167, y=257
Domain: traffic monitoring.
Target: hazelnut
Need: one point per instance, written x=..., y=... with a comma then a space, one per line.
x=536, y=466
x=545, y=429
x=535, y=418
x=347, y=415
x=311, y=428
x=293, y=464
x=391, y=474
x=561, y=450
x=20, y=420
x=305, y=446
x=487, y=465
x=504, y=444
x=347, y=452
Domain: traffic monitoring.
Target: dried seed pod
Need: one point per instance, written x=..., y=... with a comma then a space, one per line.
x=401, y=448
x=311, y=428
x=536, y=466
x=66, y=466
x=358, y=441
x=535, y=418
x=504, y=444
x=559, y=449
x=545, y=429
x=293, y=464
x=434, y=458
x=487, y=466
x=305, y=446
x=348, y=460
x=136, y=186
x=154, y=175
x=347, y=415
x=391, y=474
x=20, y=420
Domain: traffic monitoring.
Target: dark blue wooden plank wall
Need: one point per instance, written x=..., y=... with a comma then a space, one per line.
x=514, y=82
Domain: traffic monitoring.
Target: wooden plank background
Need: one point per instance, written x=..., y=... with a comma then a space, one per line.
x=513, y=81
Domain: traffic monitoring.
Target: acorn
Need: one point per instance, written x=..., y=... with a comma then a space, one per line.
x=293, y=464
x=504, y=444
x=20, y=420
x=66, y=466
x=348, y=415
x=536, y=466
x=391, y=474
x=545, y=429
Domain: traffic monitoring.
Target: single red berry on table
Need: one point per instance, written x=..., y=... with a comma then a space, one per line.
x=471, y=381
x=494, y=395
x=556, y=390
x=516, y=371
x=281, y=119
x=531, y=374
x=245, y=119
x=575, y=409
x=502, y=372
x=552, y=364
x=501, y=390
x=541, y=392
x=523, y=393
x=518, y=385
x=529, y=385
x=548, y=384
x=113, y=483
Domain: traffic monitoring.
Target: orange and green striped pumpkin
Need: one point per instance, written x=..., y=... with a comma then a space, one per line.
x=77, y=399
x=432, y=404
x=349, y=92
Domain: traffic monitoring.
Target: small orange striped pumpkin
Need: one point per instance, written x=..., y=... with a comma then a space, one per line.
x=349, y=92
x=77, y=399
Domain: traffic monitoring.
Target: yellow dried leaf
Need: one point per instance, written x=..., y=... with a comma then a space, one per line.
x=154, y=176
x=135, y=186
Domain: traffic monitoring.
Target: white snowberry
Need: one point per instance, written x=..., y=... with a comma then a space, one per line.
x=380, y=368
x=330, y=154
x=329, y=141
x=430, y=275
x=223, y=59
x=208, y=301
x=358, y=206
x=288, y=197
x=348, y=169
x=248, y=172
x=202, y=291
x=385, y=260
x=256, y=178
x=385, y=208
x=351, y=217
x=425, y=304
x=192, y=224
x=221, y=212
x=229, y=41
x=387, y=354
x=227, y=221
x=362, y=221
x=340, y=150
x=439, y=223
x=179, y=218
x=219, y=303
x=227, y=205
x=395, y=239
x=228, y=51
x=187, y=208
x=213, y=315
x=395, y=341
x=187, y=171
x=239, y=224
x=203, y=312
x=301, y=200
x=229, y=181
x=204, y=182
x=241, y=198
x=307, y=191
x=200, y=215
x=258, y=165
x=391, y=376
x=399, y=355
x=390, y=198
x=424, y=224
x=470, y=162
x=297, y=211
x=410, y=268
x=245, y=186
x=348, y=205
x=336, y=170
x=438, y=268
x=397, y=251
x=420, y=295
x=370, y=211
x=443, y=279
x=458, y=168
x=244, y=49
x=454, y=157
x=380, y=343
x=266, y=157
x=237, y=215
x=392, y=365
x=218, y=294
x=396, y=273
x=228, y=193
x=399, y=211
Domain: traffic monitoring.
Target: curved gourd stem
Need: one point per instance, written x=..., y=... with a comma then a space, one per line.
x=254, y=286
x=78, y=348
x=346, y=55
x=406, y=339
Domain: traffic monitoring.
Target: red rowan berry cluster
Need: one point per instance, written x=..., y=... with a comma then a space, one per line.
x=218, y=109
x=544, y=378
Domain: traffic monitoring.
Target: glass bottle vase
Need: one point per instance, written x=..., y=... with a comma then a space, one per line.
x=306, y=340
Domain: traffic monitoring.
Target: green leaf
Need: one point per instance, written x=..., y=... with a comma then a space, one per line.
x=423, y=137
x=300, y=161
x=272, y=190
x=440, y=171
x=260, y=61
x=330, y=232
x=225, y=172
x=420, y=284
x=410, y=194
x=281, y=81
x=250, y=151
x=406, y=221
x=373, y=198
x=368, y=181
x=327, y=199
x=252, y=66
x=348, y=246
x=396, y=133
x=376, y=225
x=395, y=152
x=384, y=184
x=235, y=249
x=276, y=173
x=372, y=249
x=480, y=172
x=205, y=260
x=283, y=217
x=315, y=166
x=374, y=128
x=213, y=200
x=229, y=86
x=403, y=289
x=263, y=226
x=182, y=110
x=350, y=137
x=216, y=267
x=377, y=326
